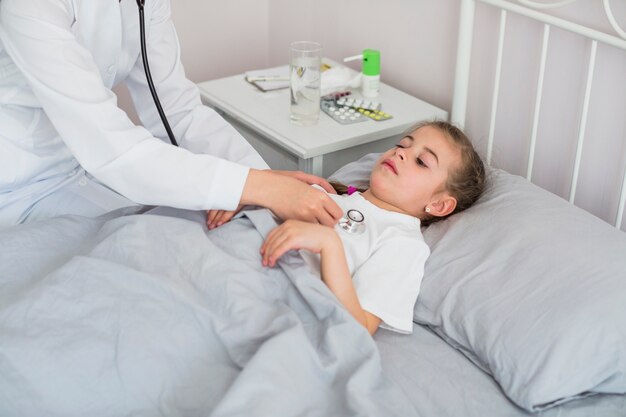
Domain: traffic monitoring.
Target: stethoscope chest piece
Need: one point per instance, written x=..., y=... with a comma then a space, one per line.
x=353, y=222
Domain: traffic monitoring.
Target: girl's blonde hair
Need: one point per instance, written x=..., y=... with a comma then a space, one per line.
x=466, y=183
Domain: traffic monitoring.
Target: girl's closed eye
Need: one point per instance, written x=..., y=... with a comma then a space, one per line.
x=419, y=160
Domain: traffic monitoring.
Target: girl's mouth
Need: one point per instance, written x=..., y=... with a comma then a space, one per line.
x=390, y=165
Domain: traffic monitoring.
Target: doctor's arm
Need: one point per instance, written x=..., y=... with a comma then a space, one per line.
x=201, y=130
x=197, y=127
x=289, y=198
x=64, y=77
x=67, y=82
x=334, y=266
x=284, y=197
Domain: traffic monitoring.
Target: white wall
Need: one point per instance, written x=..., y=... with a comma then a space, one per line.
x=417, y=39
x=220, y=38
x=604, y=153
x=217, y=39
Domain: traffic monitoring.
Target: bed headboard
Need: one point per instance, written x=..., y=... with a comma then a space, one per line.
x=609, y=205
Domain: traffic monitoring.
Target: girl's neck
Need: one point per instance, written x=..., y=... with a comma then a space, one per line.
x=369, y=196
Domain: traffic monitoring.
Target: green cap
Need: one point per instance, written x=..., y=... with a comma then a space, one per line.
x=371, y=62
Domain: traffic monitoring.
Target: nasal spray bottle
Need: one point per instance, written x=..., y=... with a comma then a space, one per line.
x=370, y=66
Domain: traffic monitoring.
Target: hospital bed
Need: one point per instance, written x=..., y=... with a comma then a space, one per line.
x=521, y=311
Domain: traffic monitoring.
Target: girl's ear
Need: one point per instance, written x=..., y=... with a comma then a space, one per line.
x=442, y=206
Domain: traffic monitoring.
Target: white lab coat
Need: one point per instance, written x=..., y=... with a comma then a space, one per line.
x=59, y=60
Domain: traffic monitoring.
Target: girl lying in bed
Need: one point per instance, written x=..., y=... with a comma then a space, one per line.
x=373, y=260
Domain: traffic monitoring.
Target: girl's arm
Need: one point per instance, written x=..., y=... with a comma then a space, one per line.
x=316, y=238
x=336, y=275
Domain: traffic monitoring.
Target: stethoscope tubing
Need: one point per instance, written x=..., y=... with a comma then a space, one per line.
x=146, y=67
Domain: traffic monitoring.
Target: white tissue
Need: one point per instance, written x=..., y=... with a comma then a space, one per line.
x=338, y=79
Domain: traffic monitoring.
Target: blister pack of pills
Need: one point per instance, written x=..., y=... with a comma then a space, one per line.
x=376, y=115
x=342, y=114
x=358, y=103
x=347, y=109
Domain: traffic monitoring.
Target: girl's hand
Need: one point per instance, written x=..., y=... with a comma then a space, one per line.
x=215, y=218
x=295, y=234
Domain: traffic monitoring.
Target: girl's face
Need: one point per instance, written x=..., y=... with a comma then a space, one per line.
x=412, y=176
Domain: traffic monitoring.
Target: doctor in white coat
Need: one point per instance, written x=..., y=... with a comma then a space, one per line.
x=65, y=146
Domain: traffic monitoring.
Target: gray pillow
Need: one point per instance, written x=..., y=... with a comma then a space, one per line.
x=532, y=289
x=356, y=173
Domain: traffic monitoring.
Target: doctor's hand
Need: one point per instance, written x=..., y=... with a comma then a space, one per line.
x=294, y=234
x=215, y=218
x=309, y=179
x=290, y=198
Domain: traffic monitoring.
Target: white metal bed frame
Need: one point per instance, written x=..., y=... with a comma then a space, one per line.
x=530, y=9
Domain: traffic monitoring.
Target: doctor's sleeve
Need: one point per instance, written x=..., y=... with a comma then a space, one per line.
x=388, y=283
x=64, y=77
x=196, y=127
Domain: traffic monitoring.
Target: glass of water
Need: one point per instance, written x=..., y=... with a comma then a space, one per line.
x=304, y=82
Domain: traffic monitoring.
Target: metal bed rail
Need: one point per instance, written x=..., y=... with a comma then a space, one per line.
x=528, y=9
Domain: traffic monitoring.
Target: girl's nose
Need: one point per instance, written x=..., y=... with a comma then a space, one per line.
x=400, y=153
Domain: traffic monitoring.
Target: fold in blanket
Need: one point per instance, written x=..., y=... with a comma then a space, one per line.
x=153, y=314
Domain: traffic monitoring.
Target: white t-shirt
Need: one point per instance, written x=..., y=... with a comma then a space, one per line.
x=386, y=261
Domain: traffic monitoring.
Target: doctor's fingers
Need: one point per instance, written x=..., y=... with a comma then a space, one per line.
x=296, y=200
x=316, y=206
x=312, y=179
x=211, y=215
x=308, y=179
x=216, y=218
x=329, y=214
x=329, y=219
x=224, y=217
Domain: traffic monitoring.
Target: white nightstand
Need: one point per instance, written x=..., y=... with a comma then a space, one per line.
x=263, y=119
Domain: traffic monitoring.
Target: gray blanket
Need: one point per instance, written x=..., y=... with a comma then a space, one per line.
x=152, y=314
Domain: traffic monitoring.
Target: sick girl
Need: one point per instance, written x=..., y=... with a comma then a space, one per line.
x=373, y=260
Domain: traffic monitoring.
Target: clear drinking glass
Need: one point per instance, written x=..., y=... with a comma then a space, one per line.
x=304, y=82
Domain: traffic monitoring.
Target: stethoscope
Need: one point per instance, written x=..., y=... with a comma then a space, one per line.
x=146, y=67
x=353, y=222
